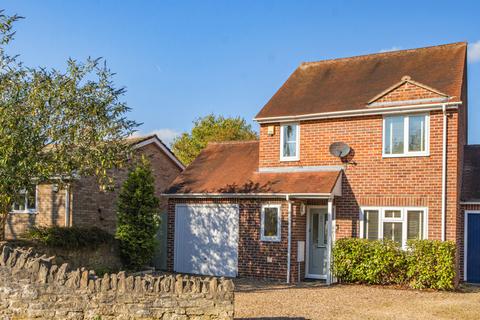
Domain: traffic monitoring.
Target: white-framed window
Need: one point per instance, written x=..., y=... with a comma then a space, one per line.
x=290, y=142
x=406, y=135
x=271, y=222
x=26, y=201
x=399, y=224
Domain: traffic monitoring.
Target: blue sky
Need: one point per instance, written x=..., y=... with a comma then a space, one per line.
x=180, y=60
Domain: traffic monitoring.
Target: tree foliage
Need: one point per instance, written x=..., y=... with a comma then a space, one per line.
x=137, y=217
x=211, y=128
x=57, y=124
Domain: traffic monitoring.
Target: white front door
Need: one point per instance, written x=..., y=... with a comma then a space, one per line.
x=317, y=242
x=206, y=239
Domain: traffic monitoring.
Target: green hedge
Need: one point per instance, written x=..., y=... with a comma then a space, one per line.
x=71, y=237
x=424, y=264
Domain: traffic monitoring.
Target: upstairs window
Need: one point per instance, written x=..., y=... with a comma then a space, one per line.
x=406, y=135
x=396, y=224
x=25, y=201
x=271, y=223
x=290, y=142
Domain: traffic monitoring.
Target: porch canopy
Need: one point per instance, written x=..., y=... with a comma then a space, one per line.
x=230, y=169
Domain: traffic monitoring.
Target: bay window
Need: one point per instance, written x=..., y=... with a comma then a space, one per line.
x=396, y=224
x=406, y=135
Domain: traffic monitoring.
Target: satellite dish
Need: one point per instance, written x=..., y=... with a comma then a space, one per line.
x=339, y=149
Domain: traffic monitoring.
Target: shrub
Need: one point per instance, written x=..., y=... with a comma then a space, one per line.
x=68, y=237
x=137, y=217
x=431, y=264
x=364, y=261
x=425, y=264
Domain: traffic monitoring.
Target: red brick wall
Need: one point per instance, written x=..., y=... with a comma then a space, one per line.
x=406, y=92
x=373, y=180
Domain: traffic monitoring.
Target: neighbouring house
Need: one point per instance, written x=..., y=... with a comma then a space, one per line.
x=372, y=146
x=84, y=204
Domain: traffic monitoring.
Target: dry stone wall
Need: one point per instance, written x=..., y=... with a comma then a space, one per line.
x=32, y=287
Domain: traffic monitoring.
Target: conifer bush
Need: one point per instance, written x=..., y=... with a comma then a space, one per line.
x=137, y=217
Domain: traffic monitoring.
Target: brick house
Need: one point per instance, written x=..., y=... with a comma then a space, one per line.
x=369, y=146
x=84, y=204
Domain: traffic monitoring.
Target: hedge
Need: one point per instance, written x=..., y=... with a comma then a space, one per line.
x=424, y=263
x=69, y=237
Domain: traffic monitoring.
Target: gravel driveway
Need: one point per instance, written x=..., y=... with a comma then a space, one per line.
x=312, y=300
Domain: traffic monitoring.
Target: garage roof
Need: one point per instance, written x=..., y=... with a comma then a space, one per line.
x=350, y=83
x=231, y=168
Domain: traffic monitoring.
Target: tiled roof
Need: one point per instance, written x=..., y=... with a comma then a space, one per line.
x=350, y=83
x=471, y=174
x=232, y=167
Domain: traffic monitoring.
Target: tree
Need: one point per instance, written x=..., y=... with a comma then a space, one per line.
x=57, y=125
x=137, y=217
x=208, y=129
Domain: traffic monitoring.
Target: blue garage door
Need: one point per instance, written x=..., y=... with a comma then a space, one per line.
x=473, y=247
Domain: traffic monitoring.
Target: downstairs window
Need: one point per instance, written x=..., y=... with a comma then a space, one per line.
x=25, y=201
x=396, y=224
x=270, y=223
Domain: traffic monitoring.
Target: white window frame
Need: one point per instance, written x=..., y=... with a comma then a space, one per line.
x=402, y=219
x=297, y=141
x=406, y=136
x=32, y=210
x=278, y=237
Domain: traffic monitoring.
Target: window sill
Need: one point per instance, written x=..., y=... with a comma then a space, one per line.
x=289, y=159
x=407, y=155
x=270, y=239
x=24, y=212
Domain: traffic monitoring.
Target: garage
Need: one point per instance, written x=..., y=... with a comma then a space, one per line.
x=206, y=239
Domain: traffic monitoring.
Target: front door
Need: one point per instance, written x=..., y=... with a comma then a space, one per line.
x=472, y=247
x=317, y=242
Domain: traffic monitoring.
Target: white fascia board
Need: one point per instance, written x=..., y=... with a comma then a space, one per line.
x=300, y=169
x=361, y=112
x=250, y=195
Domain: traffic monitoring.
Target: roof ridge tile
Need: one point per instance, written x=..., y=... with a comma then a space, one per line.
x=376, y=54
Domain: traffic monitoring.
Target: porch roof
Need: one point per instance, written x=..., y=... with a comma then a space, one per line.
x=230, y=169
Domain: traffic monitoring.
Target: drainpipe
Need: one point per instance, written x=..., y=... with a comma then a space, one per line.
x=67, y=206
x=444, y=171
x=289, y=246
x=329, y=240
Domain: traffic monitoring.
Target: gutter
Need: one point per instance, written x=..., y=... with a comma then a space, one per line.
x=444, y=171
x=361, y=112
x=289, y=246
x=248, y=195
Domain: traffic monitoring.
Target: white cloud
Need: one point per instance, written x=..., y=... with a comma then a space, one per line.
x=394, y=48
x=474, y=52
x=166, y=135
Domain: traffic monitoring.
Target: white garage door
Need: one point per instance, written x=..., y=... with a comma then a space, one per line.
x=206, y=239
